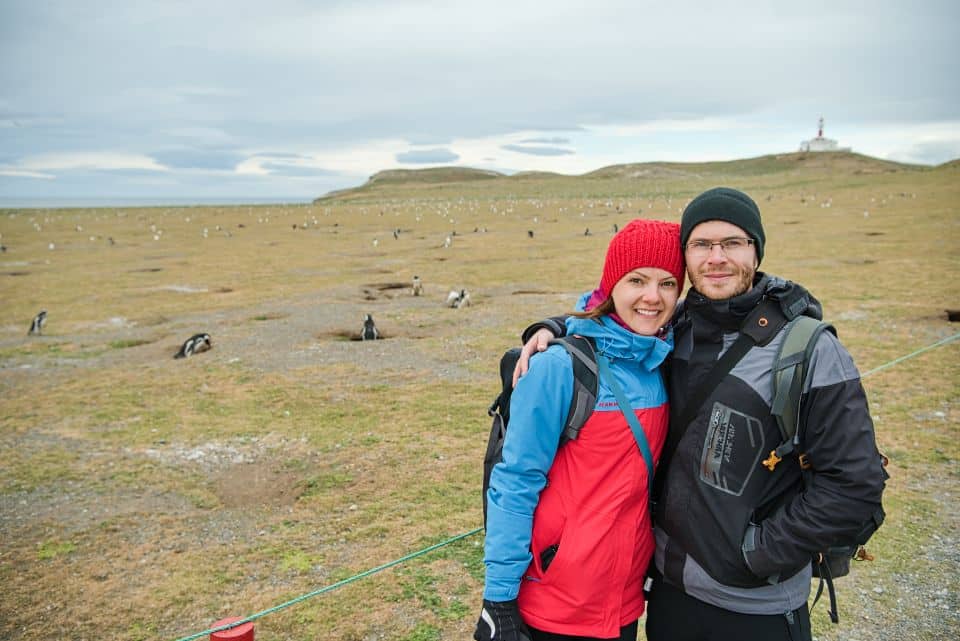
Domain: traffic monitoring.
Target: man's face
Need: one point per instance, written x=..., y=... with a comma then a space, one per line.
x=720, y=274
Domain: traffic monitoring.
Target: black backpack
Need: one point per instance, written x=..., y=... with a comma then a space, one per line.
x=585, y=382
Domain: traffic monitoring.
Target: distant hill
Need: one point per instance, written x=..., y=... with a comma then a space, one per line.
x=442, y=181
x=771, y=164
x=432, y=175
x=411, y=178
x=536, y=174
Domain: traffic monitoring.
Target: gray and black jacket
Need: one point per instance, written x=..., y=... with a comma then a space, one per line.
x=729, y=531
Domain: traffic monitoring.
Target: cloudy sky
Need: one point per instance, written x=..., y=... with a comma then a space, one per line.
x=285, y=100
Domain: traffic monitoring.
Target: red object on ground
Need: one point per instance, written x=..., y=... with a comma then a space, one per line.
x=243, y=632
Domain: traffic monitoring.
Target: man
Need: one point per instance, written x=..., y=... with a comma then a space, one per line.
x=734, y=532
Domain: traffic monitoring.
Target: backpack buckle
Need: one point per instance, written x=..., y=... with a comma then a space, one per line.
x=805, y=463
x=771, y=461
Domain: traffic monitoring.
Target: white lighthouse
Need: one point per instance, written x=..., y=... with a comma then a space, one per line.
x=820, y=143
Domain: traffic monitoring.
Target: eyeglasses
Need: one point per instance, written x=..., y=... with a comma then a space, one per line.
x=727, y=245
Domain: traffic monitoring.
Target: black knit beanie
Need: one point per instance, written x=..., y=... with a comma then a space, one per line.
x=729, y=205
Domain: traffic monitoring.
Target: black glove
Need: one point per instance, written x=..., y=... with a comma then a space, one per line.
x=500, y=621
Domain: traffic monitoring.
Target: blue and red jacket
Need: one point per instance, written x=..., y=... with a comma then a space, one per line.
x=580, y=509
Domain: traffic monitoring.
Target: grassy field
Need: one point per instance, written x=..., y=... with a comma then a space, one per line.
x=143, y=497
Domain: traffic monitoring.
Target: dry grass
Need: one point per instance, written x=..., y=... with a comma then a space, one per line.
x=143, y=497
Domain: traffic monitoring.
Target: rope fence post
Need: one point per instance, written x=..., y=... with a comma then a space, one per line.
x=242, y=630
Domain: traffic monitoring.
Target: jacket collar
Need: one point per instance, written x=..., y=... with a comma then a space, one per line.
x=613, y=341
x=729, y=313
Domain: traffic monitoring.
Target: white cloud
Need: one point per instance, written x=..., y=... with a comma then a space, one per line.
x=96, y=160
x=924, y=143
x=20, y=173
x=365, y=158
x=667, y=126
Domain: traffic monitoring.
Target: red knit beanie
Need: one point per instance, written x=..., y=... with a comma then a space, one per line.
x=643, y=243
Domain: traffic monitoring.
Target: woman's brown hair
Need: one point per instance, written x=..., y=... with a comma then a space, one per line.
x=604, y=308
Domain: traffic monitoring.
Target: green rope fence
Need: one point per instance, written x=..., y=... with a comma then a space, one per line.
x=436, y=546
x=911, y=355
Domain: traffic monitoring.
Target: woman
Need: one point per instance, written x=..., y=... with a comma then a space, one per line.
x=568, y=528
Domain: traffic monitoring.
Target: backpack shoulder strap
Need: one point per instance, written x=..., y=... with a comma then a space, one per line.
x=759, y=328
x=582, y=402
x=585, y=383
x=789, y=372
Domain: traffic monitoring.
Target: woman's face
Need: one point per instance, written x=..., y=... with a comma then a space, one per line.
x=644, y=299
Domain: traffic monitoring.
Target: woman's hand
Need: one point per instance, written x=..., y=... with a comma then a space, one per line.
x=500, y=621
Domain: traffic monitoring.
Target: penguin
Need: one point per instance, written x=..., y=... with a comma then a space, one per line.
x=370, y=331
x=456, y=299
x=36, y=327
x=194, y=345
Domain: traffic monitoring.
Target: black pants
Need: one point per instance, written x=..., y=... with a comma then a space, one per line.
x=627, y=633
x=672, y=615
